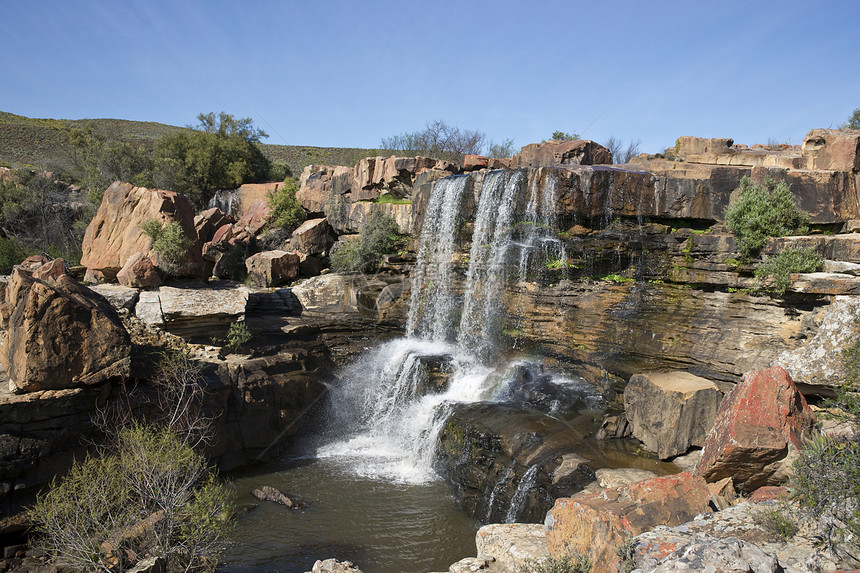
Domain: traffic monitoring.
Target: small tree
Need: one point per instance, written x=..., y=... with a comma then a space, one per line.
x=378, y=236
x=287, y=212
x=760, y=212
x=788, y=261
x=853, y=121
x=438, y=139
x=620, y=153
x=564, y=136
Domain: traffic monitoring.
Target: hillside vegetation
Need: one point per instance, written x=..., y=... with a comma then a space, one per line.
x=44, y=143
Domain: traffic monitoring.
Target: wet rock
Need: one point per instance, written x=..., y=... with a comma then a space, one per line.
x=269, y=493
x=671, y=411
x=614, y=426
x=59, y=334
x=115, y=233
x=758, y=422
x=596, y=523
x=272, y=268
x=138, y=272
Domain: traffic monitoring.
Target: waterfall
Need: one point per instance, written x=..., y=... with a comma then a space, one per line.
x=526, y=484
x=394, y=399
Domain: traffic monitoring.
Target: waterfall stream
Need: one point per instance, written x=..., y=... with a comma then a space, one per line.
x=393, y=401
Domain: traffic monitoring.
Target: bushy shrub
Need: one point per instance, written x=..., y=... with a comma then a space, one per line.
x=170, y=244
x=287, y=212
x=788, y=261
x=378, y=236
x=150, y=494
x=237, y=335
x=11, y=253
x=760, y=212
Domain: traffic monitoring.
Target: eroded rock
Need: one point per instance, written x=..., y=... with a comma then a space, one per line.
x=272, y=268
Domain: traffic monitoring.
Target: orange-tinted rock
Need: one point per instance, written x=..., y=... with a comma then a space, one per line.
x=50, y=271
x=33, y=262
x=768, y=493
x=313, y=237
x=59, y=334
x=255, y=217
x=474, y=162
x=832, y=149
x=115, y=233
x=758, y=421
x=547, y=154
x=597, y=522
x=139, y=272
x=209, y=221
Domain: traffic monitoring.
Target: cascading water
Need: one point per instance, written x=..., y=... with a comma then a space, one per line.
x=394, y=400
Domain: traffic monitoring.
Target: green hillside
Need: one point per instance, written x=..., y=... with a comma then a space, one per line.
x=43, y=143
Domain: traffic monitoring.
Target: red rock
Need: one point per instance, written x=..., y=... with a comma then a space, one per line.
x=757, y=422
x=832, y=150
x=768, y=493
x=51, y=271
x=255, y=217
x=313, y=237
x=33, y=262
x=597, y=522
x=115, y=233
x=578, y=152
x=209, y=221
x=474, y=162
x=139, y=272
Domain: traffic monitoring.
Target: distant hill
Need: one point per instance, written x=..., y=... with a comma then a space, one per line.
x=42, y=143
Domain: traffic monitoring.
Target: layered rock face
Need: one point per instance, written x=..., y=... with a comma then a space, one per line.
x=59, y=334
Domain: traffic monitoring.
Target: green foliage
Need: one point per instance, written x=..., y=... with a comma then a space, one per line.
x=148, y=494
x=564, y=564
x=777, y=521
x=379, y=236
x=237, y=335
x=220, y=154
x=389, y=199
x=626, y=553
x=170, y=244
x=853, y=121
x=617, y=279
x=826, y=483
x=287, y=212
x=564, y=136
x=559, y=263
x=761, y=212
x=788, y=261
x=11, y=253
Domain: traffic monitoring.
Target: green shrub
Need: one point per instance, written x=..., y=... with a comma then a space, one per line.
x=150, y=494
x=287, y=212
x=761, y=212
x=170, y=244
x=777, y=521
x=788, y=261
x=379, y=236
x=237, y=335
x=11, y=253
x=564, y=564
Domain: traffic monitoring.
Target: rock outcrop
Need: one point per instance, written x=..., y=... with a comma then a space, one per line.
x=115, y=233
x=272, y=268
x=138, y=272
x=596, y=523
x=759, y=422
x=671, y=411
x=193, y=312
x=59, y=334
x=561, y=152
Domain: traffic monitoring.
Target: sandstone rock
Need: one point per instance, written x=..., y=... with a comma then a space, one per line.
x=313, y=237
x=671, y=411
x=358, y=213
x=820, y=363
x=596, y=523
x=319, y=183
x=138, y=272
x=578, y=152
x=510, y=545
x=474, y=162
x=33, y=262
x=200, y=312
x=119, y=297
x=272, y=268
x=227, y=251
x=51, y=271
x=702, y=553
x=255, y=217
x=59, y=334
x=115, y=232
x=757, y=423
x=150, y=565
x=617, y=477
x=832, y=149
x=209, y=221
x=334, y=566
x=686, y=145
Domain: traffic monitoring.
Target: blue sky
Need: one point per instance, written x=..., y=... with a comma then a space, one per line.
x=348, y=73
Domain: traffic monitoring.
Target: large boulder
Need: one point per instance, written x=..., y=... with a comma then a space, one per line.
x=272, y=268
x=59, y=334
x=557, y=152
x=759, y=422
x=193, y=312
x=671, y=411
x=116, y=231
x=596, y=523
x=209, y=221
x=225, y=254
x=313, y=237
x=832, y=150
x=318, y=183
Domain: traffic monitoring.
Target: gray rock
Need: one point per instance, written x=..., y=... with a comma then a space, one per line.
x=194, y=311
x=120, y=297
x=334, y=566
x=671, y=411
x=509, y=545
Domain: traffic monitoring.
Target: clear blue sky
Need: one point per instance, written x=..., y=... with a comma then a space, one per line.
x=346, y=74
